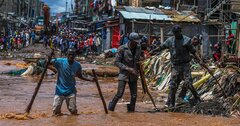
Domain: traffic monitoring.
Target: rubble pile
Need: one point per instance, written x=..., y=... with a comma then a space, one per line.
x=158, y=73
x=211, y=107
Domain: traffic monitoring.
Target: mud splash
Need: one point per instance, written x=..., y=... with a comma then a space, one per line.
x=21, y=116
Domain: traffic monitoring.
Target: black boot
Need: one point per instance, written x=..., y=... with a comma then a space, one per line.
x=111, y=106
x=183, y=92
x=195, y=94
x=167, y=103
x=171, y=98
x=130, y=108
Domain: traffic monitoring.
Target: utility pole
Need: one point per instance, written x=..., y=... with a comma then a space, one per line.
x=36, y=9
x=28, y=10
x=31, y=8
x=66, y=6
x=71, y=6
x=87, y=7
x=19, y=7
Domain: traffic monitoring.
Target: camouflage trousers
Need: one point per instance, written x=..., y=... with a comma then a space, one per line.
x=180, y=73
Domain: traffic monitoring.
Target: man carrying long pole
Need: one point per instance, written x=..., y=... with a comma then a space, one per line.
x=180, y=48
x=126, y=60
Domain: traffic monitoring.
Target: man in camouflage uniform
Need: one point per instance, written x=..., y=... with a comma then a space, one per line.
x=180, y=48
x=127, y=58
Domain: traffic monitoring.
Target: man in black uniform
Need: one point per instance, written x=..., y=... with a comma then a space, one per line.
x=127, y=58
x=180, y=47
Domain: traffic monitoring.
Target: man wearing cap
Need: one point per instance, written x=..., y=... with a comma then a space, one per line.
x=67, y=69
x=180, y=48
x=126, y=60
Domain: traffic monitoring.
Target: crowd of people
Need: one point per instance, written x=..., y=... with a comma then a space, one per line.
x=17, y=40
x=83, y=43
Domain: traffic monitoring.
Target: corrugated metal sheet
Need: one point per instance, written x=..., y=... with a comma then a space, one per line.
x=144, y=16
x=142, y=10
x=129, y=12
x=185, y=18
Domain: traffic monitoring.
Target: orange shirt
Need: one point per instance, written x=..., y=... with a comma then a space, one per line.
x=90, y=41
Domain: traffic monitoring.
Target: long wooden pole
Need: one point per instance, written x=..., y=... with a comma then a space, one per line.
x=28, y=109
x=209, y=71
x=144, y=83
x=100, y=92
x=219, y=85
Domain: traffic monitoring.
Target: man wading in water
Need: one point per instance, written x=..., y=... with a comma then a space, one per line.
x=67, y=69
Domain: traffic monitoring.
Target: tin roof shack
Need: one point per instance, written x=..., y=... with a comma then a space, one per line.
x=155, y=22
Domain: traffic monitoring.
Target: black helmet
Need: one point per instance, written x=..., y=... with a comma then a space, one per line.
x=134, y=37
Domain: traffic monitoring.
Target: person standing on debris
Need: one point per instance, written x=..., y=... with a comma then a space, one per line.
x=217, y=52
x=230, y=42
x=67, y=69
x=180, y=48
x=127, y=57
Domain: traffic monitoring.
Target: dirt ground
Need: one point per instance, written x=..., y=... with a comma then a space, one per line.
x=16, y=92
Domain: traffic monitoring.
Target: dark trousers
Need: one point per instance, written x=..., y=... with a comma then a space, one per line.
x=121, y=87
x=179, y=73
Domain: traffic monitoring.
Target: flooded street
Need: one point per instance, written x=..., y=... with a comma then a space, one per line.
x=16, y=93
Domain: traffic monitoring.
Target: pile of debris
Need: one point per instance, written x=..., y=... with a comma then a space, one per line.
x=23, y=116
x=223, y=99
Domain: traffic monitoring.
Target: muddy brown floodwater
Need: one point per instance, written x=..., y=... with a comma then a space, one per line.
x=15, y=94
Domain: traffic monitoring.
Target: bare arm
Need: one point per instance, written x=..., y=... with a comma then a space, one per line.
x=81, y=76
x=52, y=68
